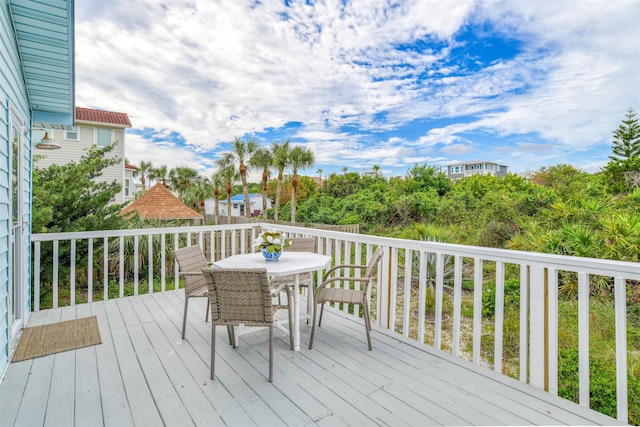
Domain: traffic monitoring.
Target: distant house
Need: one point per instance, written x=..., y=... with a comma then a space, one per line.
x=237, y=205
x=475, y=167
x=91, y=128
x=130, y=187
x=160, y=203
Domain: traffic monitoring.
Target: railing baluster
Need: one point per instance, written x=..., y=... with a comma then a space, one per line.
x=457, y=305
x=36, y=276
x=477, y=308
x=552, y=302
x=524, y=322
x=393, y=288
x=90, y=270
x=55, y=274
x=150, y=261
x=136, y=266
x=499, y=317
x=621, y=350
x=422, y=294
x=121, y=265
x=105, y=258
x=406, y=318
x=347, y=260
x=72, y=274
x=583, y=338
x=358, y=256
x=163, y=262
x=439, y=295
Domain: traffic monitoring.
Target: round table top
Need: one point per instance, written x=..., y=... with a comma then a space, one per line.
x=289, y=262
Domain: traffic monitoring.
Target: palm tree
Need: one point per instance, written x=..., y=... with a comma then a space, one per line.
x=229, y=176
x=280, y=161
x=376, y=169
x=320, y=174
x=143, y=171
x=199, y=190
x=344, y=170
x=299, y=158
x=242, y=151
x=180, y=179
x=263, y=158
x=159, y=174
x=217, y=181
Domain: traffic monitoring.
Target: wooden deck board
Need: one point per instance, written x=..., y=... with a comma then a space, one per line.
x=143, y=373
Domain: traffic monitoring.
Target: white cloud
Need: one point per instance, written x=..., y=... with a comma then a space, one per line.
x=214, y=70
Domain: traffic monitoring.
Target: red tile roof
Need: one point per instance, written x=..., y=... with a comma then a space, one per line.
x=101, y=116
x=160, y=203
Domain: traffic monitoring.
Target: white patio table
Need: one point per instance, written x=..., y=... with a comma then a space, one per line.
x=290, y=263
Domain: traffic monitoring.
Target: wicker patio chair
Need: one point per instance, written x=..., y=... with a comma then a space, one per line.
x=299, y=244
x=191, y=260
x=347, y=296
x=242, y=296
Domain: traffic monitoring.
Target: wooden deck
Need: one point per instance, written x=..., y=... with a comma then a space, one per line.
x=144, y=374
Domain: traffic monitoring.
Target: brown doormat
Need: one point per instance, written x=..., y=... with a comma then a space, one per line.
x=38, y=341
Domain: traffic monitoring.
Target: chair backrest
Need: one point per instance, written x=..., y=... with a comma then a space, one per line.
x=302, y=244
x=375, y=258
x=241, y=295
x=191, y=259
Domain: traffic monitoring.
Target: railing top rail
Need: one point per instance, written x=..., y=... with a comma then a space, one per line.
x=602, y=267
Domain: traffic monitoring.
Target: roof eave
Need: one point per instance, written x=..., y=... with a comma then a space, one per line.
x=93, y=123
x=44, y=30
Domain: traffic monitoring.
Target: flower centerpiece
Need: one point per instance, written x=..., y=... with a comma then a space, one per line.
x=271, y=243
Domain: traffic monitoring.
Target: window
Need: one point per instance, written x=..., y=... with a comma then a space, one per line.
x=103, y=137
x=235, y=206
x=126, y=187
x=71, y=134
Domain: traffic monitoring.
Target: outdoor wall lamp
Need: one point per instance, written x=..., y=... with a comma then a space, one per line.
x=47, y=143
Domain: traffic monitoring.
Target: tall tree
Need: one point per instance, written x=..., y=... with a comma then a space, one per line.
x=70, y=198
x=280, y=161
x=217, y=180
x=263, y=159
x=624, y=166
x=181, y=178
x=199, y=190
x=142, y=171
x=160, y=173
x=319, y=171
x=229, y=175
x=344, y=170
x=626, y=144
x=242, y=152
x=300, y=158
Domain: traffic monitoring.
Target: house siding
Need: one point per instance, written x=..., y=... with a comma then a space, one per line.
x=72, y=150
x=12, y=91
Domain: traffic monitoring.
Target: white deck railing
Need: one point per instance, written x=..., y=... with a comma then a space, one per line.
x=398, y=298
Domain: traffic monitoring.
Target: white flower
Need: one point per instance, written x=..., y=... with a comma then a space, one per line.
x=277, y=241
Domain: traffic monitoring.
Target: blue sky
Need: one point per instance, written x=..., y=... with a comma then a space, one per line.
x=361, y=83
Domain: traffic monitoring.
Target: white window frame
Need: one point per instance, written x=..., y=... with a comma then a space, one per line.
x=96, y=136
x=76, y=131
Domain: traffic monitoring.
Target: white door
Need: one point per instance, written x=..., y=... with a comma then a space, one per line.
x=17, y=285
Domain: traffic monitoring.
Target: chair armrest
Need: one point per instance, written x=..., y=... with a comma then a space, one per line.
x=338, y=267
x=190, y=273
x=342, y=279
